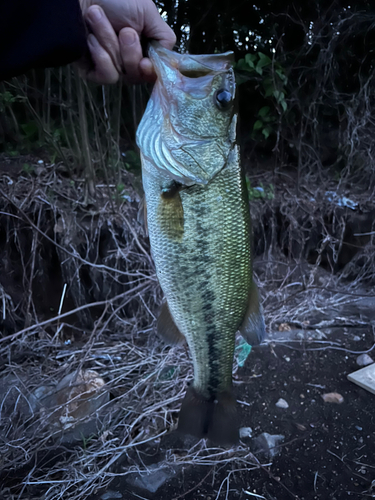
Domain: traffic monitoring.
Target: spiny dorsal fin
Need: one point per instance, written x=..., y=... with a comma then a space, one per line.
x=167, y=328
x=253, y=329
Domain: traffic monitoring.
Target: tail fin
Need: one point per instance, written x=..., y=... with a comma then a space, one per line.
x=215, y=419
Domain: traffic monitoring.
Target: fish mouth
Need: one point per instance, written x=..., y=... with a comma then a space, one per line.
x=189, y=128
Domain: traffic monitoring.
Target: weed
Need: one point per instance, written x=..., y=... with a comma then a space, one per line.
x=260, y=192
x=272, y=81
x=27, y=168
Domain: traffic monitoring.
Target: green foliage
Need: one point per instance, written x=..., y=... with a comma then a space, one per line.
x=120, y=188
x=84, y=125
x=27, y=168
x=271, y=83
x=87, y=440
x=31, y=131
x=260, y=192
x=168, y=373
x=132, y=161
x=13, y=152
x=121, y=193
x=6, y=99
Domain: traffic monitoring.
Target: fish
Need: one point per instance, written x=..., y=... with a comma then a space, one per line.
x=198, y=222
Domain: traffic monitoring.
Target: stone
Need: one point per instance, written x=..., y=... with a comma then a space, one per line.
x=281, y=403
x=364, y=360
x=62, y=407
x=111, y=495
x=152, y=479
x=268, y=444
x=333, y=397
x=245, y=432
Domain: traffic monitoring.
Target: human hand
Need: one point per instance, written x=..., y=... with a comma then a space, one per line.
x=114, y=55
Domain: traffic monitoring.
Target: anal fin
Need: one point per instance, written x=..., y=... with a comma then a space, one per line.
x=214, y=419
x=166, y=327
x=253, y=329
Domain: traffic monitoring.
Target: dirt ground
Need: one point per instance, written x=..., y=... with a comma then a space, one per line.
x=328, y=448
x=315, y=277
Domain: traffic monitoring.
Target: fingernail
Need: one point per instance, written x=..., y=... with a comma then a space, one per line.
x=94, y=14
x=127, y=37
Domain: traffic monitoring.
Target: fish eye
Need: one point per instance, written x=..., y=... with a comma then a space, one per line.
x=223, y=99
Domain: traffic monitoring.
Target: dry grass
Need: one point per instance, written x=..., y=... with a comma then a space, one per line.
x=103, y=320
x=109, y=329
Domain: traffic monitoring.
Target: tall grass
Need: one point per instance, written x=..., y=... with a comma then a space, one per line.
x=61, y=117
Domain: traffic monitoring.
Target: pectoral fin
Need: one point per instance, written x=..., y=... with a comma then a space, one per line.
x=171, y=212
x=167, y=328
x=253, y=329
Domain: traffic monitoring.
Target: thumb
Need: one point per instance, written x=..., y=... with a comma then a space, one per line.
x=155, y=28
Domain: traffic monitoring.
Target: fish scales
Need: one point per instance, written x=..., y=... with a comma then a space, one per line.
x=199, y=227
x=206, y=275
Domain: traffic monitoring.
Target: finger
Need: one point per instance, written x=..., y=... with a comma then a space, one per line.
x=131, y=54
x=147, y=70
x=155, y=28
x=104, y=33
x=104, y=70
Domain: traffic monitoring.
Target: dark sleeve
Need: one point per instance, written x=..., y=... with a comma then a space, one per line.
x=39, y=33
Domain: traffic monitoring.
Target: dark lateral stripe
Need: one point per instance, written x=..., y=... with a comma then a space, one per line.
x=208, y=300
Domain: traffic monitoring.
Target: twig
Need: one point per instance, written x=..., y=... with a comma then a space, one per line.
x=73, y=311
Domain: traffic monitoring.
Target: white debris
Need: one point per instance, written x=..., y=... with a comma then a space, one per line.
x=246, y=432
x=282, y=403
x=340, y=201
x=364, y=360
x=268, y=444
x=333, y=397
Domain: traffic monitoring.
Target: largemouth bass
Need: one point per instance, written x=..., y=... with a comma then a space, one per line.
x=199, y=227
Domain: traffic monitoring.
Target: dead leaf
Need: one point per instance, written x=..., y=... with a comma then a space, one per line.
x=285, y=327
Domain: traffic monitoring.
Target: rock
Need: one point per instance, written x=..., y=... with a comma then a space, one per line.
x=282, y=403
x=333, y=397
x=76, y=396
x=284, y=327
x=111, y=495
x=268, y=444
x=151, y=480
x=62, y=407
x=364, y=360
x=246, y=432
